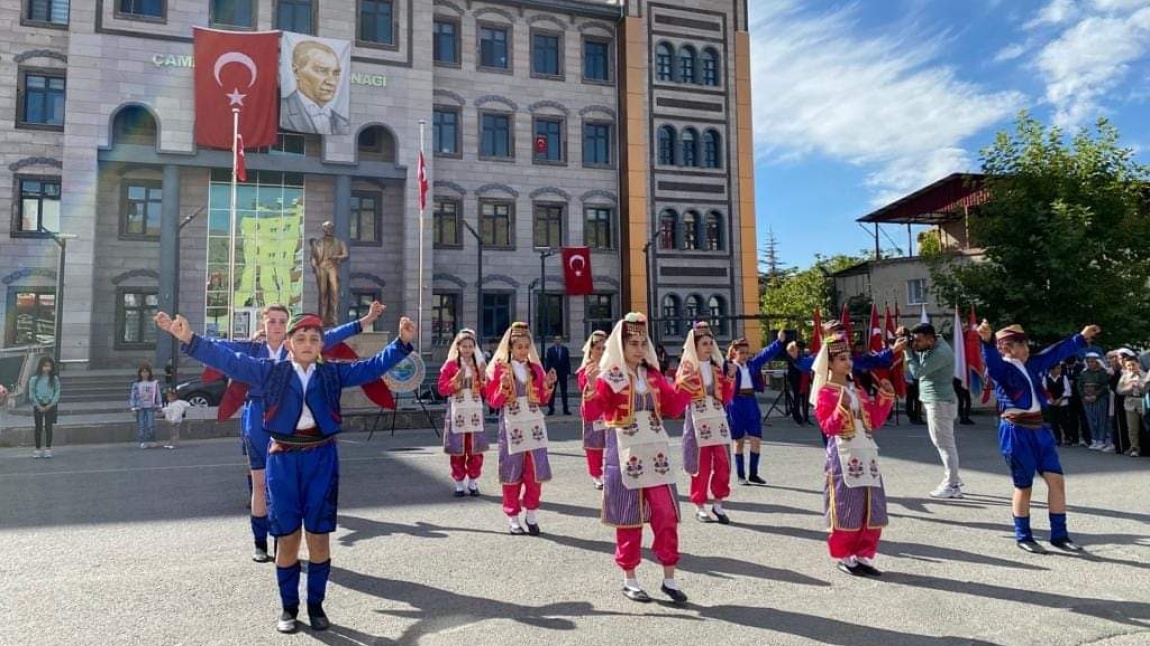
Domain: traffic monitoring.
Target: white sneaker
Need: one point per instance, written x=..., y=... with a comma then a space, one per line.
x=143, y=445
x=1107, y=448
x=946, y=491
x=1134, y=453
x=48, y=453
x=1094, y=446
x=36, y=455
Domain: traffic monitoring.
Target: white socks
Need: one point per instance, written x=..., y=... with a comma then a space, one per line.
x=850, y=561
x=530, y=517
x=717, y=507
x=514, y=520
x=632, y=584
x=459, y=485
x=670, y=584
x=865, y=561
x=472, y=485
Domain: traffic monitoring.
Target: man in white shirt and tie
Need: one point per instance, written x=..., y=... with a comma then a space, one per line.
x=317, y=78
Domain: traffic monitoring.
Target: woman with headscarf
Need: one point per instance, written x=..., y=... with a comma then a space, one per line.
x=593, y=429
x=464, y=438
x=706, y=433
x=854, y=496
x=518, y=387
x=634, y=398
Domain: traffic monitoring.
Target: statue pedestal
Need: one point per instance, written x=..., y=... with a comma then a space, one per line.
x=365, y=345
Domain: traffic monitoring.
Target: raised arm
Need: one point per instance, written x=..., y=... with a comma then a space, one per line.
x=874, y=360
x=358, y=373
x=996, y=367
x=497, y=391
x=766, y=354
x=831, y=410
x=1057, y=353
x=879, y=408
x=673, y=400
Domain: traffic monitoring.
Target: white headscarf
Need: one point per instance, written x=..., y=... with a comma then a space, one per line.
x=821, y=370
x=596, y=335
x=453, y=351
x=613, y=356
x=691, y=354
x=503, y=352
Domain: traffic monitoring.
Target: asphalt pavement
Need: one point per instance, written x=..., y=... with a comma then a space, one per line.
x=110, y=544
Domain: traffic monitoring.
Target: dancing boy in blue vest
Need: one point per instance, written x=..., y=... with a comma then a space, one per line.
x=302, y=415
x=743, y=411
x=256, y=440
x=1024, y=437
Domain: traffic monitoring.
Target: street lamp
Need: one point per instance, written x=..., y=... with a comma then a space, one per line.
x=61, y=240
x=478, y=276
x=545, y=314
x=650, y=253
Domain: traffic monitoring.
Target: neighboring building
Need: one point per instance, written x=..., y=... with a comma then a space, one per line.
x=548, y=122
x=945, y=206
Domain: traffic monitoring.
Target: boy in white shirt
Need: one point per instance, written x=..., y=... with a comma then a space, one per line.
x=175, y=411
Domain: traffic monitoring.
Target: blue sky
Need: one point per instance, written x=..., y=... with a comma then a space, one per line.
x=859, y=103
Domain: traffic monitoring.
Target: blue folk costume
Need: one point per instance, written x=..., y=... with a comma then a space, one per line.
x=302, y=463
x=1024, y=437
x=255, y=439
x=743, y=411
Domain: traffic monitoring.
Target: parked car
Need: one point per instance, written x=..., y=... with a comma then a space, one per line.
x=200, y=393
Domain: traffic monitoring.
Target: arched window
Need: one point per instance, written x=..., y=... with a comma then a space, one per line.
x=712, y=149
x=668, y=228
x=667, y=143
x=710, y=59
x=717, y=310
x=690, y=147
x=693, y=309
x=671, y=315
x=134, y=125
x=713, y=231
x=687, y=58
x=691, y=230
x=665, y=62
x=375, y=143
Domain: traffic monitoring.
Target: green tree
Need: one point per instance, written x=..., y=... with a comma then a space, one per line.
x=794, y=294
x=1065, y=232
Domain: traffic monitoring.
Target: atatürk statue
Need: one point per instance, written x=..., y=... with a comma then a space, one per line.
x=327, y=253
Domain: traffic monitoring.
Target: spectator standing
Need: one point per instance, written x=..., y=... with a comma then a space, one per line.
x=965, y=403
x=558, y=359
x=930, y=361
x=44, y=391
x=1132, y=384
x=1080, y=430
x=175, y=411
x=1060, y=414
x=1094, y=387
x=144, y=399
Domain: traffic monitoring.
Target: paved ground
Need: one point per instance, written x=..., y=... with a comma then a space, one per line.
x=114, y=545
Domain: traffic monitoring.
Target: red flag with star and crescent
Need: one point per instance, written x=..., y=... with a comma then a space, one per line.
x=236, y=70
x=577, y=271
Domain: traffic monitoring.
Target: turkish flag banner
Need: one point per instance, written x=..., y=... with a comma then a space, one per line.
x=577, y=271
x=236, y=70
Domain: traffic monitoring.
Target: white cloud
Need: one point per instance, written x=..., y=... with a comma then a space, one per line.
x=884, y=102
x=1058, y=12
x=1009, y=53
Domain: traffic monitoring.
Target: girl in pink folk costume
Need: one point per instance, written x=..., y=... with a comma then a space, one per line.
x=593, y=429
x=461, y=381
x=517, y=386
x=854, y=497
x=706, y=432
x=633, y=397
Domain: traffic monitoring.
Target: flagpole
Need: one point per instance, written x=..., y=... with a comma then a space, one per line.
x=419, y=200
x=232, y=227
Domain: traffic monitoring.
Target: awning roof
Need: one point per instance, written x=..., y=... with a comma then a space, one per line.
x=939, y=202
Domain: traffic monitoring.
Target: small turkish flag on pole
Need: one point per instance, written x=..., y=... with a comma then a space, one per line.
x=577, y=271
x=422, y=177
x=241, y=160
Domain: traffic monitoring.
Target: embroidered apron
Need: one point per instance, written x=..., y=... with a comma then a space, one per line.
x=710, y=420
x=466, y=412
x=858, y=456
x=644, y=452
x=526, y=428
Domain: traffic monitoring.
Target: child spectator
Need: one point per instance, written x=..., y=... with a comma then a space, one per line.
x=1132, y=385
x=144, y=399
x=1058, y=390
x=44, y=391
x=174, y=412
x=1094, y=386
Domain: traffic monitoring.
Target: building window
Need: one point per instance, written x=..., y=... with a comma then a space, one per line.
x=714, y=231
x=546, y=54
x=549, y=315
x=360, y=304
x=597, y=227
x=690, y=147
x=495, y=136
x=549, y=144
x=493, y=47
x=691, y=230
x=134, y=125
x=31, y=316
x=140, y=204
x=377, y=21
x=495, y=224
x=293, y=143
x=295, y=15
x=600, y=312
x=693, y=308
x=445, y=223
x=445, y=42
x=43, y=100
x=153, y=9
x=547, y=228
x=916, y=291
x=233, y=13
x=496, y=315
x=717, y=310
x=366, y=217
x=596, y=60
x=134, y=317
x=664, y=62
x=39, y=208
x=668, y=228
x=712, y=149
x=672, y=316
x=375, y=143
x=52, y=12
x=444, y=318
x=667, y=142
x=445, y=131
x=710, y=60
x=687, y=65
x=596, y=144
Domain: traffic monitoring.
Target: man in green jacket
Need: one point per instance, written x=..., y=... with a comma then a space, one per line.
x=930, y=360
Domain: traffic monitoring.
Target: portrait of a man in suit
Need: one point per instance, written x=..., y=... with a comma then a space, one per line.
x=312, y=106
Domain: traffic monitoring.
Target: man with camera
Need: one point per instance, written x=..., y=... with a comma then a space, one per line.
x=930, y=360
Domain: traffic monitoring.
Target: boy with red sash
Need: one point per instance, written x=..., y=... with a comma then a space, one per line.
x=464, y=438
x=633, y=397
x=594, y=437
x=518, y=387
x=706, y=433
